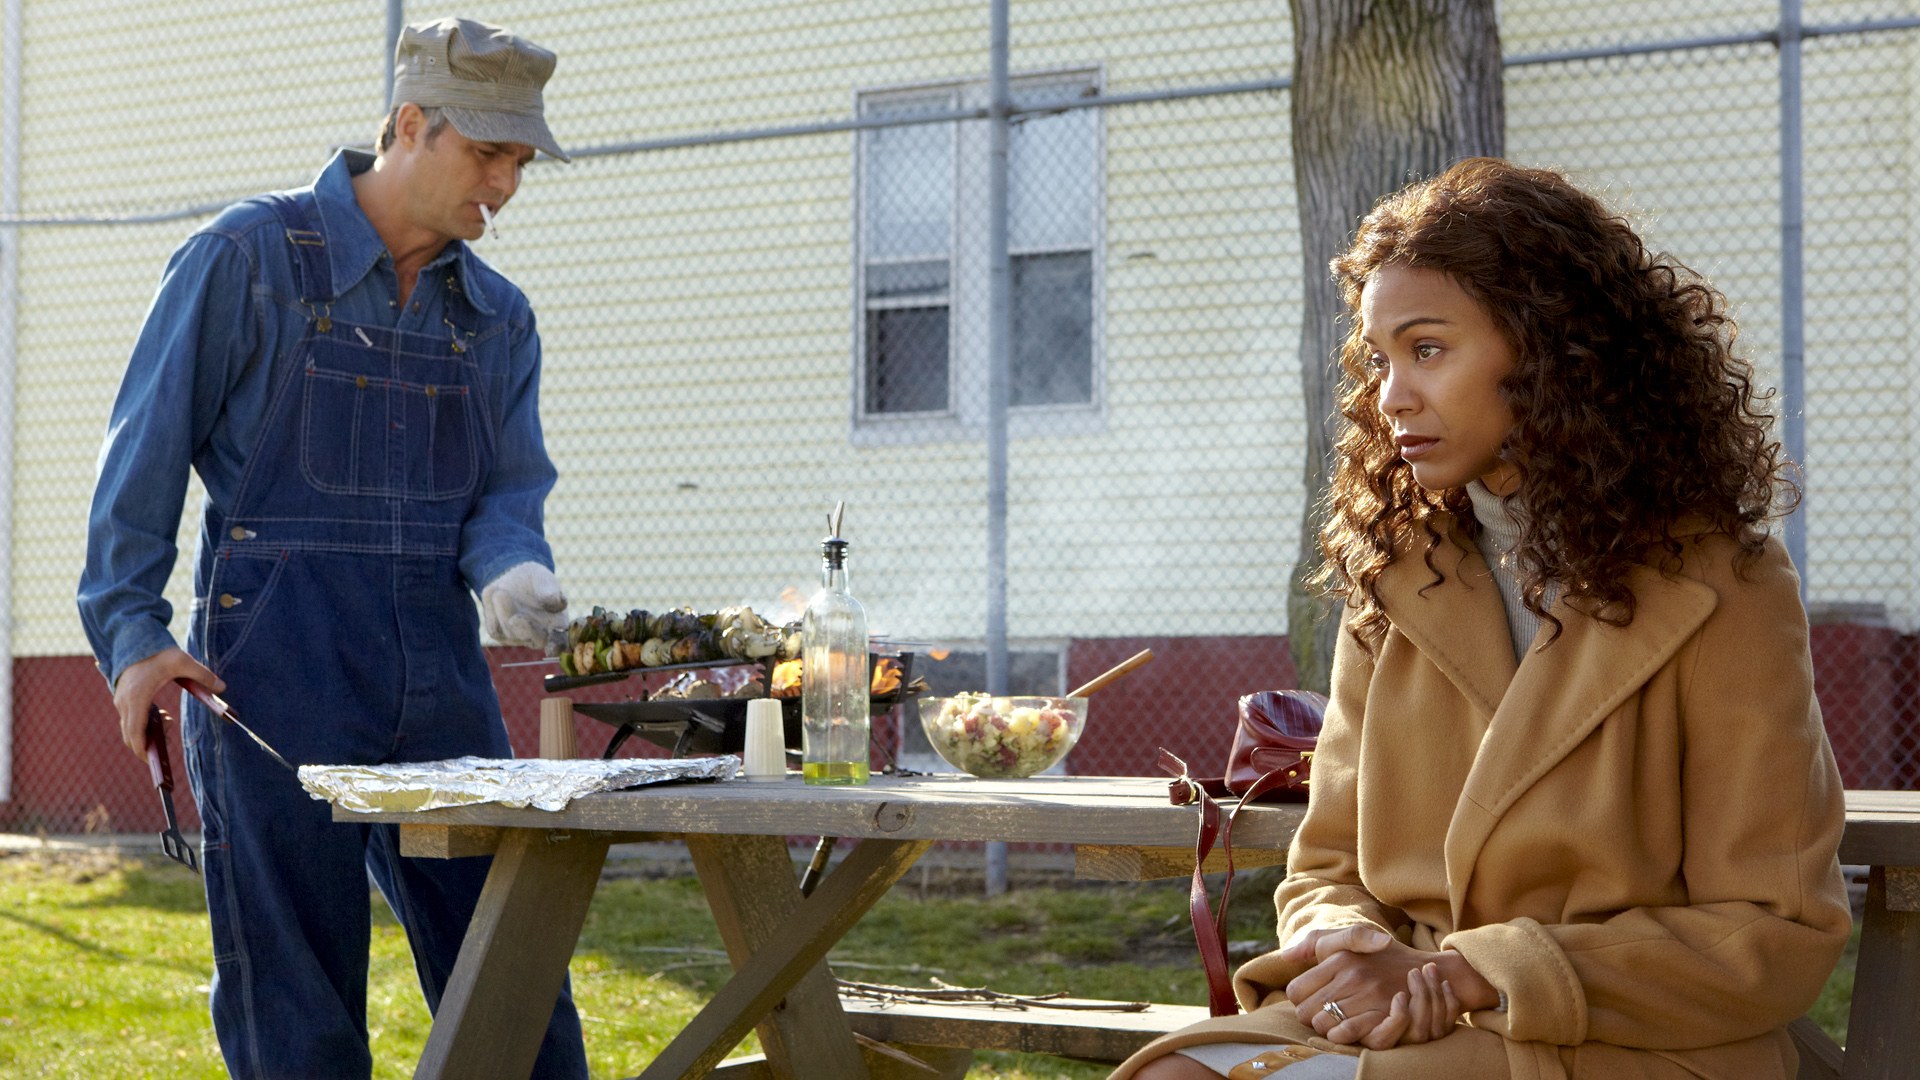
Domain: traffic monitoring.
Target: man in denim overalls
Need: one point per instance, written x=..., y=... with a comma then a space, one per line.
x=359, y=394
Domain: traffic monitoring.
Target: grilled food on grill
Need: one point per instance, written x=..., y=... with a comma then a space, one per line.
x=612, y=641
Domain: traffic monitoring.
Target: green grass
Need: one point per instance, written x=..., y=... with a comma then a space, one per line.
x=107, y=965
x=1030, y=941
x=106, y=971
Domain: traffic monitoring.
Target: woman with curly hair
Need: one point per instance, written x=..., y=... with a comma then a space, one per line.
x=1573, y=813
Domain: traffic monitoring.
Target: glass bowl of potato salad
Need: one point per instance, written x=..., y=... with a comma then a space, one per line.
x=1000, y=737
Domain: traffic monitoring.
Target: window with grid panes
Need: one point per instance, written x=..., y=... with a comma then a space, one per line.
x=922, y=287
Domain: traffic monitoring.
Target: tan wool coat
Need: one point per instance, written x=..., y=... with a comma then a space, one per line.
x=1633, y=833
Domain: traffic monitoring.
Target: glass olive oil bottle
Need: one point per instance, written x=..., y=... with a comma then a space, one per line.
x=833, y=673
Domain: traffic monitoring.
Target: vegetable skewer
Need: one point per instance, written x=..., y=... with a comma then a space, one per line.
x=607, y=641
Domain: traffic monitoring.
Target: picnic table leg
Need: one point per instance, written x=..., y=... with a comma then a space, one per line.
x=1886, y=980
x=514, y=957
x=798, y=943
x=750, y=887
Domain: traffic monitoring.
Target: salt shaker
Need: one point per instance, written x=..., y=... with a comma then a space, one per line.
x=766, y=749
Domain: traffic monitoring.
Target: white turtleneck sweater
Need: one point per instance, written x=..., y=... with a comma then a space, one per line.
x=1499, y=532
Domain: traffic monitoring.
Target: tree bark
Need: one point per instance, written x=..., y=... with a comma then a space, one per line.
x=1385, y=92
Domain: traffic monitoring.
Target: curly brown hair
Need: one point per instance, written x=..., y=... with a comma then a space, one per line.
x=1631, y=410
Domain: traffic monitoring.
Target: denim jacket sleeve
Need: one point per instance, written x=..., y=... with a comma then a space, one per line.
x=505, y=527
x=200, y=331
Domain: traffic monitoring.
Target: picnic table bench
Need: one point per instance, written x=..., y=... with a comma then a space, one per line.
x=547, y=863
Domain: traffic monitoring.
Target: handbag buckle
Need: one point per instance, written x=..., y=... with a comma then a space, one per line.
x=1182, y=790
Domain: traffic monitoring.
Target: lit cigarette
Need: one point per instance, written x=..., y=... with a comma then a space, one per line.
x=486, y=215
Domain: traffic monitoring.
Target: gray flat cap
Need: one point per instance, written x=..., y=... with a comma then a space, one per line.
x=487, y=80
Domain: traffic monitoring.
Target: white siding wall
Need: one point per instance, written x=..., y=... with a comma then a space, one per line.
x=1688, y=144
x=1860, y=423
x=729, y=352
x=129, y=108
x=697, y=313
x=1910, y=396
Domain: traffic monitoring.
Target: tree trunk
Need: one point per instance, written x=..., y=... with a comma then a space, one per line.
x=1385, y=92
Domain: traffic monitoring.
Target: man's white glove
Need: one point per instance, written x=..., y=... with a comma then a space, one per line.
x=524, y=606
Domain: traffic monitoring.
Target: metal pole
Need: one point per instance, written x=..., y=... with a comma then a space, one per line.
x=999, y=380
x=1793, y=329
x=11, y=23
x=396, y=18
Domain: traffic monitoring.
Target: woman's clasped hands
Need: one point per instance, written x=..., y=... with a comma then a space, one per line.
x=1367, y=988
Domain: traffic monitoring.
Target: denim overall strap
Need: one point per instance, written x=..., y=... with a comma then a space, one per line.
x=333, y=605
x=306, y=243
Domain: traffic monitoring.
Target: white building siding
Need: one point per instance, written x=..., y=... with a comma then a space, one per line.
x=1860, y=425
x=128, y=109
x=731, y=329
x=696, y=305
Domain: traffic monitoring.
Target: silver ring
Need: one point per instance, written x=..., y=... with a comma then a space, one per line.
x=1334, y=1008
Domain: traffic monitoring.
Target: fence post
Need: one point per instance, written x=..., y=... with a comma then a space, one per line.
x=396, y=20
x=1793, y=328
x=10, y=25
x=999, y=379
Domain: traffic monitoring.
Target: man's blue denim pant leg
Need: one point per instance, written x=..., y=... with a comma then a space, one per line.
x=288, y=899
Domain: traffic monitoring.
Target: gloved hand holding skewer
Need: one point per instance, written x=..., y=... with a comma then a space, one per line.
x=524, y=606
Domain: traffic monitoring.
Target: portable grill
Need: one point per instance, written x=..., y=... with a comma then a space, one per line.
x=689, y=726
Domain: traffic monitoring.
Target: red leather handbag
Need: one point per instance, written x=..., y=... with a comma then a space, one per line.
x=1272, y=755
x=1271, y=760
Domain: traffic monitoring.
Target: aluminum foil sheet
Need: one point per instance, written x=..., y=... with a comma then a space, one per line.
x=518, y=782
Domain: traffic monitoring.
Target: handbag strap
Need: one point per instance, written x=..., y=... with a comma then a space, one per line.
x=1277, y=777
x=1207, y=925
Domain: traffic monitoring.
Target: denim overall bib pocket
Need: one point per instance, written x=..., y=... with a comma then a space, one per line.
x=330, y=599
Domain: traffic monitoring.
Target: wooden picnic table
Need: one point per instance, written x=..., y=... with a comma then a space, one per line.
x=546, y=865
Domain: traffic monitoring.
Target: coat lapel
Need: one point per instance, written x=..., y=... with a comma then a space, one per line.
x=1558, y=696
x=1459, y=625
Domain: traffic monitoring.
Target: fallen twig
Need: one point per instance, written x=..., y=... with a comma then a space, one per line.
x=722, y=955
x=691, y=964
x=894, y=1052
x=943, y=993
x=831, y=962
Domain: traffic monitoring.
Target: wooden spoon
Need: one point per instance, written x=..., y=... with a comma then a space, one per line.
x=1101, y=680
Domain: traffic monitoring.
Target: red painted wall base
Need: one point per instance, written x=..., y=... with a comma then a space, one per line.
x=70, y=769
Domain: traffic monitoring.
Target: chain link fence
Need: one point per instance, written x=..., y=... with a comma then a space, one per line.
x=740, y=331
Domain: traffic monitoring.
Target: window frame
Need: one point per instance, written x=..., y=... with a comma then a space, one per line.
x=932, y=96
x=965, y=417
